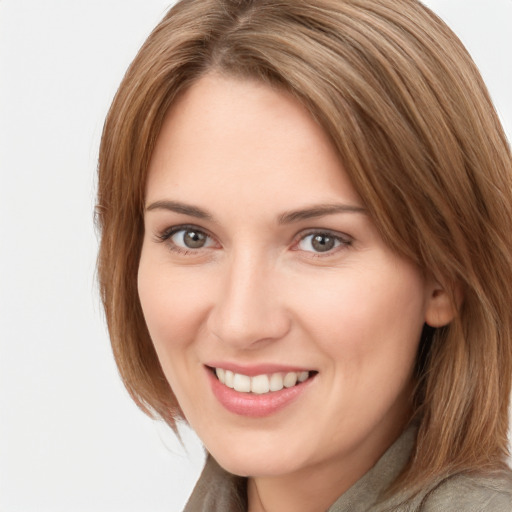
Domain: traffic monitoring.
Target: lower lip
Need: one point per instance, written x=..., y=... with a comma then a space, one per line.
x=254, y=405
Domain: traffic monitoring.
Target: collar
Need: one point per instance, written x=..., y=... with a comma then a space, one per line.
x=220, y=491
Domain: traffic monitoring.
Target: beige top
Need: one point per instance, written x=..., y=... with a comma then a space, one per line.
x=219, y=491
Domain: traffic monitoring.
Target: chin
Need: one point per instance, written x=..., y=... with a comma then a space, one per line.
x=253, y=468
x=258, y=462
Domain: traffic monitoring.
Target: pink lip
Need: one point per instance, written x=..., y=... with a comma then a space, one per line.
x=258, y=369
x=252, y=405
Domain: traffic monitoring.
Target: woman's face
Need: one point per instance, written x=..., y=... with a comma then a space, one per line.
x=260, y=261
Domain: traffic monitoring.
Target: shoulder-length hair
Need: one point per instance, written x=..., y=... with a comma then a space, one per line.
x=416, y=131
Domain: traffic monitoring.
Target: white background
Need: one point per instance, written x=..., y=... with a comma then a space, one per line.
x=70, y=438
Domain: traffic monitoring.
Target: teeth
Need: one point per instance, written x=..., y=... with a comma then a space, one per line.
x=290, y=379
x=303, y=376
x=229, y=378
x=276, y=382
x=242, y=383
x=260, y=384
x=221, y=374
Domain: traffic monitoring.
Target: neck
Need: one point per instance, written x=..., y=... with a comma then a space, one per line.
x=310, y=490
x=316, y=487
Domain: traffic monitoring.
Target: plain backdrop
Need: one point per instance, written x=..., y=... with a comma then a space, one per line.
x=70, y=438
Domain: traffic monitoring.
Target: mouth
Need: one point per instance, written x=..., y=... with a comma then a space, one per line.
x=261, y=384
x=260, y=390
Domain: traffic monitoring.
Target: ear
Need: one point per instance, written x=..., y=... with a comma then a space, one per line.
x=440, y=309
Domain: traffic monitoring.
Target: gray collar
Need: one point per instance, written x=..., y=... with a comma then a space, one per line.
x=219, y=491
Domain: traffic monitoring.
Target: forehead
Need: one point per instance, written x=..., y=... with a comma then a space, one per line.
x=242, y=140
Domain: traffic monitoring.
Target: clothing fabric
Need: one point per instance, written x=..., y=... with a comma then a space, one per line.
x=220, y=491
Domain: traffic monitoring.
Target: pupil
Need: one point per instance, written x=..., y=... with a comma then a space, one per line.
x=322, y=243
x=194, y=240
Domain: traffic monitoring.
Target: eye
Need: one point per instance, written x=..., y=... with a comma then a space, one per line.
x=186, y=238
x=190, y=239
x=322, y=242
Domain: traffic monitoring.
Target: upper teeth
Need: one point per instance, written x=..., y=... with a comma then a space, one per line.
x=259, y=384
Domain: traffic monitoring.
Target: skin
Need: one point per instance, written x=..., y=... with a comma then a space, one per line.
x=259, y=291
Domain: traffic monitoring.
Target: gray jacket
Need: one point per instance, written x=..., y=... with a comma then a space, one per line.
x=219, y=491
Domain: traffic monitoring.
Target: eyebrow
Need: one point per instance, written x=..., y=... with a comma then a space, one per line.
x=176, y=206
x=288, y=217
x=316, y=211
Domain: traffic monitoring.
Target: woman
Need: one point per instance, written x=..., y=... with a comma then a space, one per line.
x=306, y=254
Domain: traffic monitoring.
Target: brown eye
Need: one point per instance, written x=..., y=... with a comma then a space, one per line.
x=188, y=238
x=194, y=239
x=322, y=242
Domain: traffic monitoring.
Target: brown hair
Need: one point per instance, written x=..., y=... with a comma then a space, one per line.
x=417, y=133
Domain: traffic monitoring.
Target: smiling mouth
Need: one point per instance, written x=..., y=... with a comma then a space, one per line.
x=261, y=384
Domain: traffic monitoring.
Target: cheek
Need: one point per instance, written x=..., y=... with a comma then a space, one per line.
x=171, y=303
x=368, y=320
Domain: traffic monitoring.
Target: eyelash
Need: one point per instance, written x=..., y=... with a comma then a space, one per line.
x=166, y=235
x=342, y=240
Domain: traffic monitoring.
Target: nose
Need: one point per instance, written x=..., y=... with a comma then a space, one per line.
x=248, y=311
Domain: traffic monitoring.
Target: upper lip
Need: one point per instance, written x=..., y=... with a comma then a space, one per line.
x=257, y=369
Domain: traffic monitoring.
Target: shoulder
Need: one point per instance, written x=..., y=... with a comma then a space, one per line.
x=471, y=493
